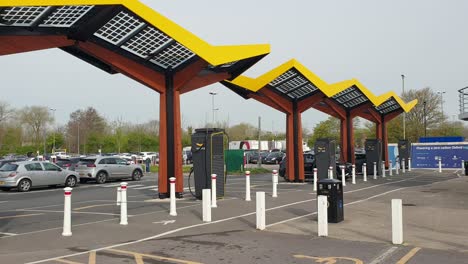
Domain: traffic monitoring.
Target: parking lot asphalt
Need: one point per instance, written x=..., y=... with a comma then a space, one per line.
x=31, y=224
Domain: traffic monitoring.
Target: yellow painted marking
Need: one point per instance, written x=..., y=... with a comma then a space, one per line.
x=91, y=206
x=135, y=254
x=408, y=256
x=139, y=259
x=92, y=257
x=329, y=260
x=18, y=216
x=67, y=261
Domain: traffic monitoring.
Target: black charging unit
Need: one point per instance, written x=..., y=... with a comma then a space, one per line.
x=208, y=158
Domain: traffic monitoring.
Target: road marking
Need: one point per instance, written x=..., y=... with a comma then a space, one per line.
x=3, y=201
x=73, y=211
x=408, y=256
x=165, y=222
x=67, y=261
x=329, y=260
x=18, y=216
x=141, y=255
x=7, y=234
x=92, y=257
x=91, y=206
x=110, y=185
x=147, y=187
x=387, y=253
x=314, y=213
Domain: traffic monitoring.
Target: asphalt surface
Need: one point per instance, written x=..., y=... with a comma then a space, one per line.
x=31, y=224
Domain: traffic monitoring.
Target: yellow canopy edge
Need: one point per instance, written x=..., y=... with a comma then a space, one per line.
x=214, y=55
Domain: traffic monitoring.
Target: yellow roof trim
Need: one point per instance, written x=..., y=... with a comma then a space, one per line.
x=263, y=80
x=405, y=106
x=214, y=55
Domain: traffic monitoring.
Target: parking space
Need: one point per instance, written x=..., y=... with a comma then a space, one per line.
x=152, y=236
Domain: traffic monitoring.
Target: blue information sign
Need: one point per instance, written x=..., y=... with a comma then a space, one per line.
x=427, y=156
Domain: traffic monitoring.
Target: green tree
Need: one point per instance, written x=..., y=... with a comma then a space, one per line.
x=36, y=119
x=329, y=128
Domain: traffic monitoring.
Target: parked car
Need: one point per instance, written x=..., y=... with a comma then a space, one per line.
x=360, y=159
x=309, y=165
x=274, y=158
x=68, y=164
x=4, y=161
x=147, y=155
x=254, y=157
x=24, y=175
x=187, y=156
x=104, y=168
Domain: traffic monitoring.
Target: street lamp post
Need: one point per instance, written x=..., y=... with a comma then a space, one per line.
x=425, y=119
x=404, y=113
x=213, y=109
x=53, y=146
x=441, y=102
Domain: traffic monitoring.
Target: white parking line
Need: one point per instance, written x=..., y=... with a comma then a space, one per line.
x=7, y=234
x=75, y=212
x=197, y=225
x=147, y=187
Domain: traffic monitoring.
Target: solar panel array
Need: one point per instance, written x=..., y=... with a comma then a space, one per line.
x=350, y=97
x=388, y=106
x=293, y=84
x=125, y=30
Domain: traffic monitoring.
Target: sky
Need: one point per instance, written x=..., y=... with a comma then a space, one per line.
x=372, y=41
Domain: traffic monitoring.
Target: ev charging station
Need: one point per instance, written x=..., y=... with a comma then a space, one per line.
x=404, y=152
x=325, y=150
x=208, y=158
x=373, y=149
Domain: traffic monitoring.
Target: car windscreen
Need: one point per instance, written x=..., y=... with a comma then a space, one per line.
x=86, y=161
x=9, y=167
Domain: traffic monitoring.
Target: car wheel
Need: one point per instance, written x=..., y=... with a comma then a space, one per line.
x=24, y=185
x=101, y=177
x=71, y=181
x=136, y=175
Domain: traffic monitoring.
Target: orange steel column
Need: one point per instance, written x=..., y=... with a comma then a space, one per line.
x=300, y=150
x=384, y=142
x=290, y=165
x=343, y=140
x=170, y=140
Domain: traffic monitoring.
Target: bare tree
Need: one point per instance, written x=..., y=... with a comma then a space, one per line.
x=5, y=112
x=36, y=119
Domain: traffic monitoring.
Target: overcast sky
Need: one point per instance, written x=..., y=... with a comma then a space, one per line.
x=373, y=41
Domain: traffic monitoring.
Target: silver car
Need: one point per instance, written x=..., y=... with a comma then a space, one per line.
x=26, y=174
x=102, y=169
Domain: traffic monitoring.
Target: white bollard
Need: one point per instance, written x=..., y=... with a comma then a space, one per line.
x=172, y=211
x=322, y=215
x=206, y=196
x=315, y=179
x=390, y=167
x=213, y=191
x=440, y=165
x=343, y=176
x=403, y=165
x=330, y=172
x=274, y=178
x=67, y=212
x=409, y=164
x=364, y=171
x=397, y=222
x=397, y=167
x=383, y=169
x=353, y=174
x=123, y=204
x=261, y=210
x=463, y=166
x=119, y=195
x=247, y=186
x=375, y=170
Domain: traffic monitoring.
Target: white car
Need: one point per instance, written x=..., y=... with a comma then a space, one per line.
x=148, y=155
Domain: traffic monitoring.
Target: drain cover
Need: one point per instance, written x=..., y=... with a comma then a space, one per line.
x=409, y=204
